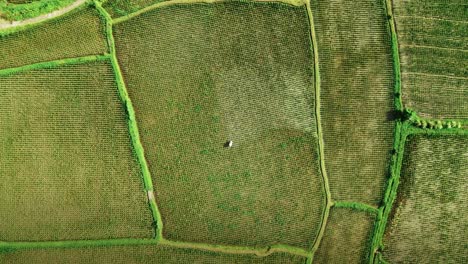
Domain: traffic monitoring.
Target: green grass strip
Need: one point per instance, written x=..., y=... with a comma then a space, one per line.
x=53, y=64
x=264, y=251
x=401, y=133
x=29, y=10
x=132, y=124
x=179, y=2
x=395, y=55
x=357, y=206
x=321, y=153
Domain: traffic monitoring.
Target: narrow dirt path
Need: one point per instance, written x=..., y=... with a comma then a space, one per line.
x=11, y=24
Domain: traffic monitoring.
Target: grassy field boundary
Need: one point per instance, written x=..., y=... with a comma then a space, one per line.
x=398, y=103
x=261, y=252
x=356, y=206
x=132, y=124
x=53, y=64
x=185, y=2
x=32, y=24
x=17, y=12
x=321, y=152
x=401, y=133
x=403, y=130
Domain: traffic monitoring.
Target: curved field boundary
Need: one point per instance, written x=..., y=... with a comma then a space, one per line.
x=356, y=206
x=178, y=2
x=54, y=63
x=323, y=171
x=132, y=124
x=261, y=252
x=41, y=18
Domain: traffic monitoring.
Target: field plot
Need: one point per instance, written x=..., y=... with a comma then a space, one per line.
x=346, y=238
x=429, y=224
x=140, y=254
x=200, y=75
x=117, y=8
x=80, y=33
x=356, y=96
x=433, y=40
x=67, y=166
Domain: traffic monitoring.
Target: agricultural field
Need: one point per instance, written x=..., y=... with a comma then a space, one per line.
x=356, y=89
x=233, y=71
x=80, y=33
x=346, y=238
x=141, y=255
x=433, y=48
x=212, y=131
x=60, y=154
x=429, y=220
x=118, y=8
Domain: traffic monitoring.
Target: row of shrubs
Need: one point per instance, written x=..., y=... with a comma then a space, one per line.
x=430, y=123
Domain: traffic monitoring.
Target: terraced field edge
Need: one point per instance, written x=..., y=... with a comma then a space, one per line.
x=132, y=124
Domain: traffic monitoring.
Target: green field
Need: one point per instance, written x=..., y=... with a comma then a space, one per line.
x=67, y=165
x=429, y=219
x=219, y=72
x=79, y=33
x=356, y=97
x=140, y=255
x=346, y=238
x=117, y=8
x=434, y=56
x=348, y=122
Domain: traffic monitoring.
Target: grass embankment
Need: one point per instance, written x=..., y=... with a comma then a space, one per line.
x=128, y=252
x=132, y=125
x=21, y=11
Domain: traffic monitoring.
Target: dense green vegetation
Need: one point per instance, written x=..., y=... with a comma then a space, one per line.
x=79, y=33
x=226, y=72
x=434, y=55
x=140, y=255
x=24, y=9
x=429, y=219
x=356, y=97
x=67, y=160
x=346, y=238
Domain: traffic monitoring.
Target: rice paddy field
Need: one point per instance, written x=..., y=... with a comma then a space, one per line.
x=118, y=8
x=61, y=154
x=225, y=72
x=346, y=238
x=80, y=33
x=356, y=97
x=212, y=131
x=429, y=221
x=433, y=48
